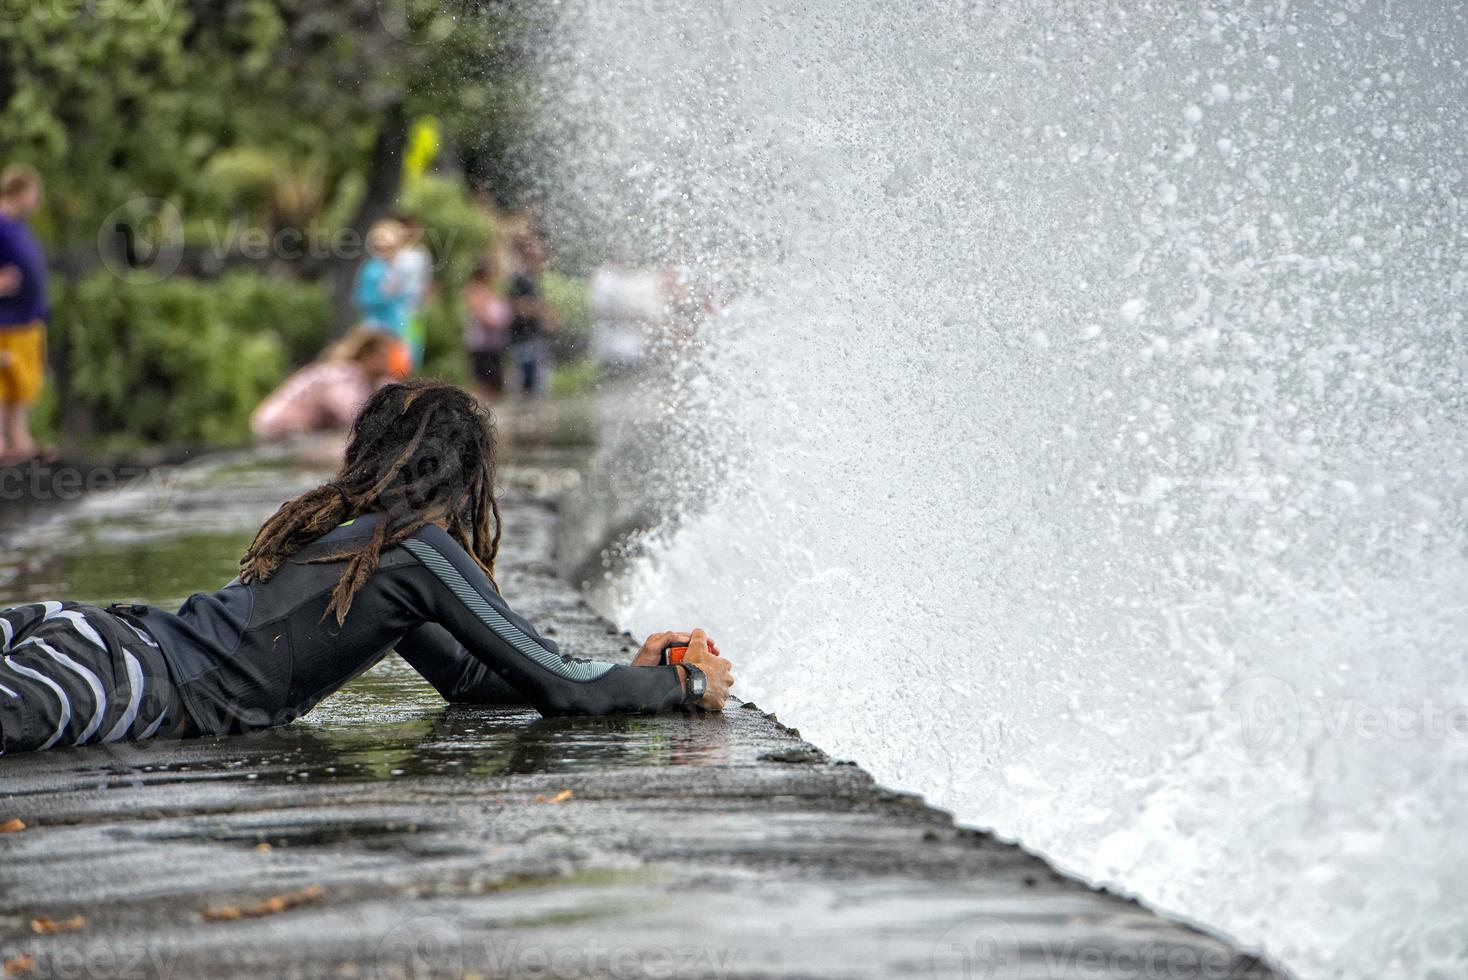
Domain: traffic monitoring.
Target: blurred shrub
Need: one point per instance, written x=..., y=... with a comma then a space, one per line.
x=572, y=341
x=574, y=378
x=458, y=232
x=181, y=360
x=443, y=347
x=455, y=229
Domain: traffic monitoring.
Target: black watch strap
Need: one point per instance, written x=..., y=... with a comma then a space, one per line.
x=694, y=686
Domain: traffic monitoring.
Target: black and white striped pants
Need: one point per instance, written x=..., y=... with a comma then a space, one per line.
x=72, y=674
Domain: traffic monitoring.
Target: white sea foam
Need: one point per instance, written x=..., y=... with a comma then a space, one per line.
x=1089, y=430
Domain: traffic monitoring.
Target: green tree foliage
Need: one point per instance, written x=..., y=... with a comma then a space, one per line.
x=98, y=104
x=568, y=295
x=261, y=114
x=200, y=103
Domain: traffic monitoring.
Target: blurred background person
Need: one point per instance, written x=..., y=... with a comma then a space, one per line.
x=382, y=295
x=326, y=395
x=412, y=269
x=627, y=306
x=25, y=308
x=533, y=316
x=487, y=327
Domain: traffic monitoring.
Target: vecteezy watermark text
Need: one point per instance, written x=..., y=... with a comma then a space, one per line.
x=145, y=239
x=96, y=959
x=433, y=946
x=592, y=959
x=1259, y=720
x=986, y=947
x=314, y=241
x=71, y=483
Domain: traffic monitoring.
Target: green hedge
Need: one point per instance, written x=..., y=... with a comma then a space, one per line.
x=456, y=230
x=181, y=360
x=572, y=340
x=443, y=347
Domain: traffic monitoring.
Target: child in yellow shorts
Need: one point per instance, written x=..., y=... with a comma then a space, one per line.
x=24, y=310
x=22, y=363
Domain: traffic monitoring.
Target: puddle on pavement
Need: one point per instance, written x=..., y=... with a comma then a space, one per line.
x=388, y=725
x=185, y=531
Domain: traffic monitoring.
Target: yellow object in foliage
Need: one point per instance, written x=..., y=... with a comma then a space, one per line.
x=422, y=149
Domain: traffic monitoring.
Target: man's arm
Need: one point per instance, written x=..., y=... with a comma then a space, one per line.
x=449, y=588
x=453, y=671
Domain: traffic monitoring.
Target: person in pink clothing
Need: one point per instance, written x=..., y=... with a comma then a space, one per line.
x=326, y=395
x=487, y=328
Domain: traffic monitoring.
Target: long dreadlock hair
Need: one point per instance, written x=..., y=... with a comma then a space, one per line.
x=420, y=452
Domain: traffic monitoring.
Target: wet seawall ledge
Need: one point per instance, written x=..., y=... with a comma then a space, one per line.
x=456, y=841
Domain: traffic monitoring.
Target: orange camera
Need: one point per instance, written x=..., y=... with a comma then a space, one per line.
x=674, y=652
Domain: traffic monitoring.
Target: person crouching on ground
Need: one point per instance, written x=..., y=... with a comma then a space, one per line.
x=24, y=309
x=326, y=395
x=396, y=552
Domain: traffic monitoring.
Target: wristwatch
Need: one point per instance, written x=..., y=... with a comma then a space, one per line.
x=694, y=687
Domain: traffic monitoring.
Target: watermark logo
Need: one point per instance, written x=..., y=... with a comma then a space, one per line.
x=980, y=948
x=393, y=18
x=142, y=241
x=423, y=22
x=1257, y=721
x=426, y=946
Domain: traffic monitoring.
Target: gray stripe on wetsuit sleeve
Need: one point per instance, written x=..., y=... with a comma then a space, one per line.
x=450, y=576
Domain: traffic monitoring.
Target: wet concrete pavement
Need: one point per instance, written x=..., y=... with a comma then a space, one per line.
x=454, y=841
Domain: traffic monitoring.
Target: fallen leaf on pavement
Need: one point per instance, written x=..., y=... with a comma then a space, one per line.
x=270, y=906
x=560, y=797
x=19, y=965
x=47, y=926
x=12, y=826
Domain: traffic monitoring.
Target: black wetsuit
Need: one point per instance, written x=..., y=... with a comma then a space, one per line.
x=260, y=655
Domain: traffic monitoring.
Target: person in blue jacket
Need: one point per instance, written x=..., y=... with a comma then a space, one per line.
x=25, y=309
x=384, y=297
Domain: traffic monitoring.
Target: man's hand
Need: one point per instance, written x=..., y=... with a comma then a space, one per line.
x=9, y=280
x=651, y=653
x=715, y=668
x=703, y=653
